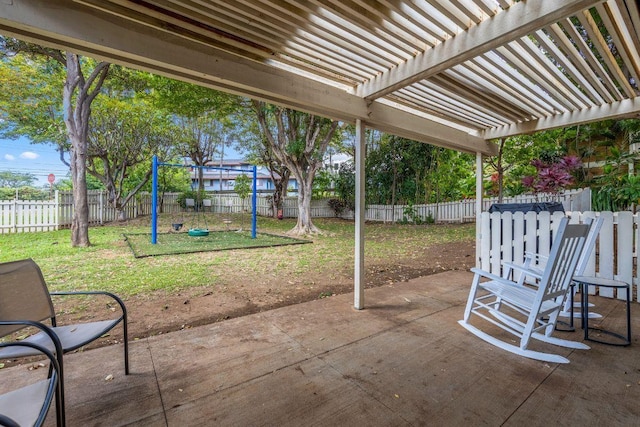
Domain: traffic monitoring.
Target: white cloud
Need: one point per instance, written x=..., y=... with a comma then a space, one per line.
x=9, y=157
x=29, y=155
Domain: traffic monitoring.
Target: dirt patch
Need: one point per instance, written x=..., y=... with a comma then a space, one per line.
x=162, y=312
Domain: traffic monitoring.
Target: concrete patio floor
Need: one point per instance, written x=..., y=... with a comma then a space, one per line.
x=403, y=360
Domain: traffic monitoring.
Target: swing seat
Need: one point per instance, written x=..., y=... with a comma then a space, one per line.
x=198, y=232
x=176, y=226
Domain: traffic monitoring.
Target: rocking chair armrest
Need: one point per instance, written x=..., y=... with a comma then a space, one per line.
x=524, y=268
x=490, y=276
x=44, y=328
x=531, y=256
x=108, y=294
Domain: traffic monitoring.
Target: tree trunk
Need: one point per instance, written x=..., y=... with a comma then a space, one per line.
x=304, y=225
x=77, y=96
x=77, y=128
x=200, y=182
x=280, y=190
x=297, y=144
x=500, y=184
x=80, y=218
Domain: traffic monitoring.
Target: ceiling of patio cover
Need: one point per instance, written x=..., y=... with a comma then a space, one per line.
x=455, y=73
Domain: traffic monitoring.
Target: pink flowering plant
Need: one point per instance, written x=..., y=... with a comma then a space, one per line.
x=552, y=177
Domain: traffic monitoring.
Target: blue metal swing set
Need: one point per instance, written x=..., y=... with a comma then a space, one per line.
x=194, y=232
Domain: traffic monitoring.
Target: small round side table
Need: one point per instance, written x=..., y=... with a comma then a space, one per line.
x=584, y=282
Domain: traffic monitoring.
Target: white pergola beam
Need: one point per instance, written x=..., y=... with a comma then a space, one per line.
x=70, y=26
x=519, y=20
x=625, y=108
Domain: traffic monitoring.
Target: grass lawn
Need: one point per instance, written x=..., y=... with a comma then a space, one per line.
x=110, y=265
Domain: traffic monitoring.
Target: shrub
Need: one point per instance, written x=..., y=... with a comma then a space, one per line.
x=338, y=206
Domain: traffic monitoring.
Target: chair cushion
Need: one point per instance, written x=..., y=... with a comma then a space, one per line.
x=71, y=337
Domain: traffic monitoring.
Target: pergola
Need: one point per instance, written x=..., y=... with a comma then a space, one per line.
x=453, y=73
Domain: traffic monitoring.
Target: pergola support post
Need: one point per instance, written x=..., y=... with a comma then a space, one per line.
x=478, y=204
x=358, y=272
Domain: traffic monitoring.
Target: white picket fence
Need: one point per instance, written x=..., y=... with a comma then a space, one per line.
x=23, y=216
x=19, y=216
x=506, y=236
x=465, y=210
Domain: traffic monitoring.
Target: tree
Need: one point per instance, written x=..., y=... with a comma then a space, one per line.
x=513, y=161
x=16, y=179
x=124, y=135
x=253, y=142
x=78, y=93
x=404, y=171
x=200, y=140
x=124, y=130
x=346, y=185
x=280, y=175
x=616, y=183
x=205, y=118
x=299, y=141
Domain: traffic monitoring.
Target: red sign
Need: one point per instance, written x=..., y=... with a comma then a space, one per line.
x=51, y=178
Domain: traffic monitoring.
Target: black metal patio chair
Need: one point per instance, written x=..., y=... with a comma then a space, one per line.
x=29, y=405
x=26, y=302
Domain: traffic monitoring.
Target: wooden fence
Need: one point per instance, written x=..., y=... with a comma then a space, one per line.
x=506, y=236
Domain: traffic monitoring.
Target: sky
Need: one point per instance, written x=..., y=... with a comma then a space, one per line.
x=39, y=160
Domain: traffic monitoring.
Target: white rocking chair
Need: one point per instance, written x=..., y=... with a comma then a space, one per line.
x=529, y=312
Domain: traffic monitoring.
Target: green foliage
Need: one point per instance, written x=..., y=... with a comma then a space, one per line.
x=171, y=179
x=616, y=193
x=337, y=205
x=513, y=161
x=345, y=185
x=322, y=184
x=401, y=171
x=65, y=184
x=24, y=193
x=189, y=100
x=205, y=120
x=197, y=195
x=33, y=104
x=616, y=189
x=242, y=186
x=16, y=179
x=125, y=133
x=411, y=216
x=430, y=219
